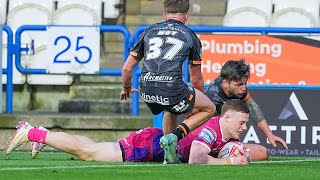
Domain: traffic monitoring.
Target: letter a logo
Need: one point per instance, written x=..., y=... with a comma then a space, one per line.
x=293, y=107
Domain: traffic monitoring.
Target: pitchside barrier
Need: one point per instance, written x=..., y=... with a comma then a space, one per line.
x=72, y=50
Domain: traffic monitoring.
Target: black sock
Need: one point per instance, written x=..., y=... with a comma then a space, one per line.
x=181, y=131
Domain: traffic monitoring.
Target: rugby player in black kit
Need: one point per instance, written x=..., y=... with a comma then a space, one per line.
x=164, y=47
x=232, y=84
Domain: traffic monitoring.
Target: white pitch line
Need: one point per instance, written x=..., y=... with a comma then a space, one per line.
x=139, y=165
x=285, y=161
x=82, y=167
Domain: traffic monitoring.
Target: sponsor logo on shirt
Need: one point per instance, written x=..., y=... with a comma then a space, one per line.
x=155, y=99
x=151, y=78
x=208, y=135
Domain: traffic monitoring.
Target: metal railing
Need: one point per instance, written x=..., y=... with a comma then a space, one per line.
x=16, y=49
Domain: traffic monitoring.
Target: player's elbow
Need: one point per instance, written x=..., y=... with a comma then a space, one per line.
x=264, y=154
x=198, y=158
x=126, y=70
x=197, y=82
x=260, y=154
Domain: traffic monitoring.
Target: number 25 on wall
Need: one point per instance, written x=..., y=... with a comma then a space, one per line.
x=79, y=48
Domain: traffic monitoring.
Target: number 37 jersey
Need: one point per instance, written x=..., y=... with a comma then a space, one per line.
x=164, y=47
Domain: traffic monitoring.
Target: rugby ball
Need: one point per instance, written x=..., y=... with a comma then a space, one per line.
x=230, y=149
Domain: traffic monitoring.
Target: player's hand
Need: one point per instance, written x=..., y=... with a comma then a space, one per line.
x=247, y=154
x=243, y=157
x=273, y=139
x=240, y=160
x=125, y=94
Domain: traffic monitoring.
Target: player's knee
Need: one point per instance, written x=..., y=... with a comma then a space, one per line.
x=211, y=109
x=85, y=154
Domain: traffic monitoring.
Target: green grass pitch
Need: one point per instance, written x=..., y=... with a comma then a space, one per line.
x=56, y=165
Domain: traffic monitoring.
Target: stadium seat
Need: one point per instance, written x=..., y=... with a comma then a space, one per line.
x=248, y=13
x=29, y=12
x=109, y=9
x=78, y=12
x=295, y=13
x=3, y=11
x=34, y=12
x=72, y=12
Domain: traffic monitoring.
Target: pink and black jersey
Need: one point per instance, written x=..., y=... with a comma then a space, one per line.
x=208, y=135
x=144, y=145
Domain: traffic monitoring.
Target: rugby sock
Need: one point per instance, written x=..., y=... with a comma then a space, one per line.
x=37, y=135
x=181, y=131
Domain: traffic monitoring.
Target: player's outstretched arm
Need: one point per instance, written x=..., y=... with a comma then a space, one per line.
x=257, y=116
x=199, y=154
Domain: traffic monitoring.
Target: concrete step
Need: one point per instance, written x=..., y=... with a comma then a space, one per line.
x=114, y=47
x=93, y=79
x=95, y=91
x=108, y=106
x=98, y=127
x=113, y=37
x=77, y=121
x=113, y=60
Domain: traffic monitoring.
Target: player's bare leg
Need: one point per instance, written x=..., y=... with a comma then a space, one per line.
x=203, y=110
x=106, y=151
x=169, y=122
x=84, y=139
x=37, y=147
x=257, y=152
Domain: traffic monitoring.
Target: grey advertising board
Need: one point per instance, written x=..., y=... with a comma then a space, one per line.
x=292, y=115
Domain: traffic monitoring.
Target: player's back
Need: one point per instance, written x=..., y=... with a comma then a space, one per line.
x=166, y=46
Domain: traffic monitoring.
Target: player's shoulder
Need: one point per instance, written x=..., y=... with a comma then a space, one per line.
x=213, y=122
x=214, y=87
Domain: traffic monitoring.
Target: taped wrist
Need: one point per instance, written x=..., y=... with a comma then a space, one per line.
x=127, y=88
x=229, y=161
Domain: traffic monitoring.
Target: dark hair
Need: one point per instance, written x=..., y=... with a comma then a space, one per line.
x=236, y=105
x=176, y=6
x=235, y=70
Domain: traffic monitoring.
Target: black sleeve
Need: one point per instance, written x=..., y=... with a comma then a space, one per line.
x=195, y=56
x=138, y=49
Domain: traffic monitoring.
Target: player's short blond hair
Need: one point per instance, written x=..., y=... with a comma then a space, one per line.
x=176, y=6
x=234, y=105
